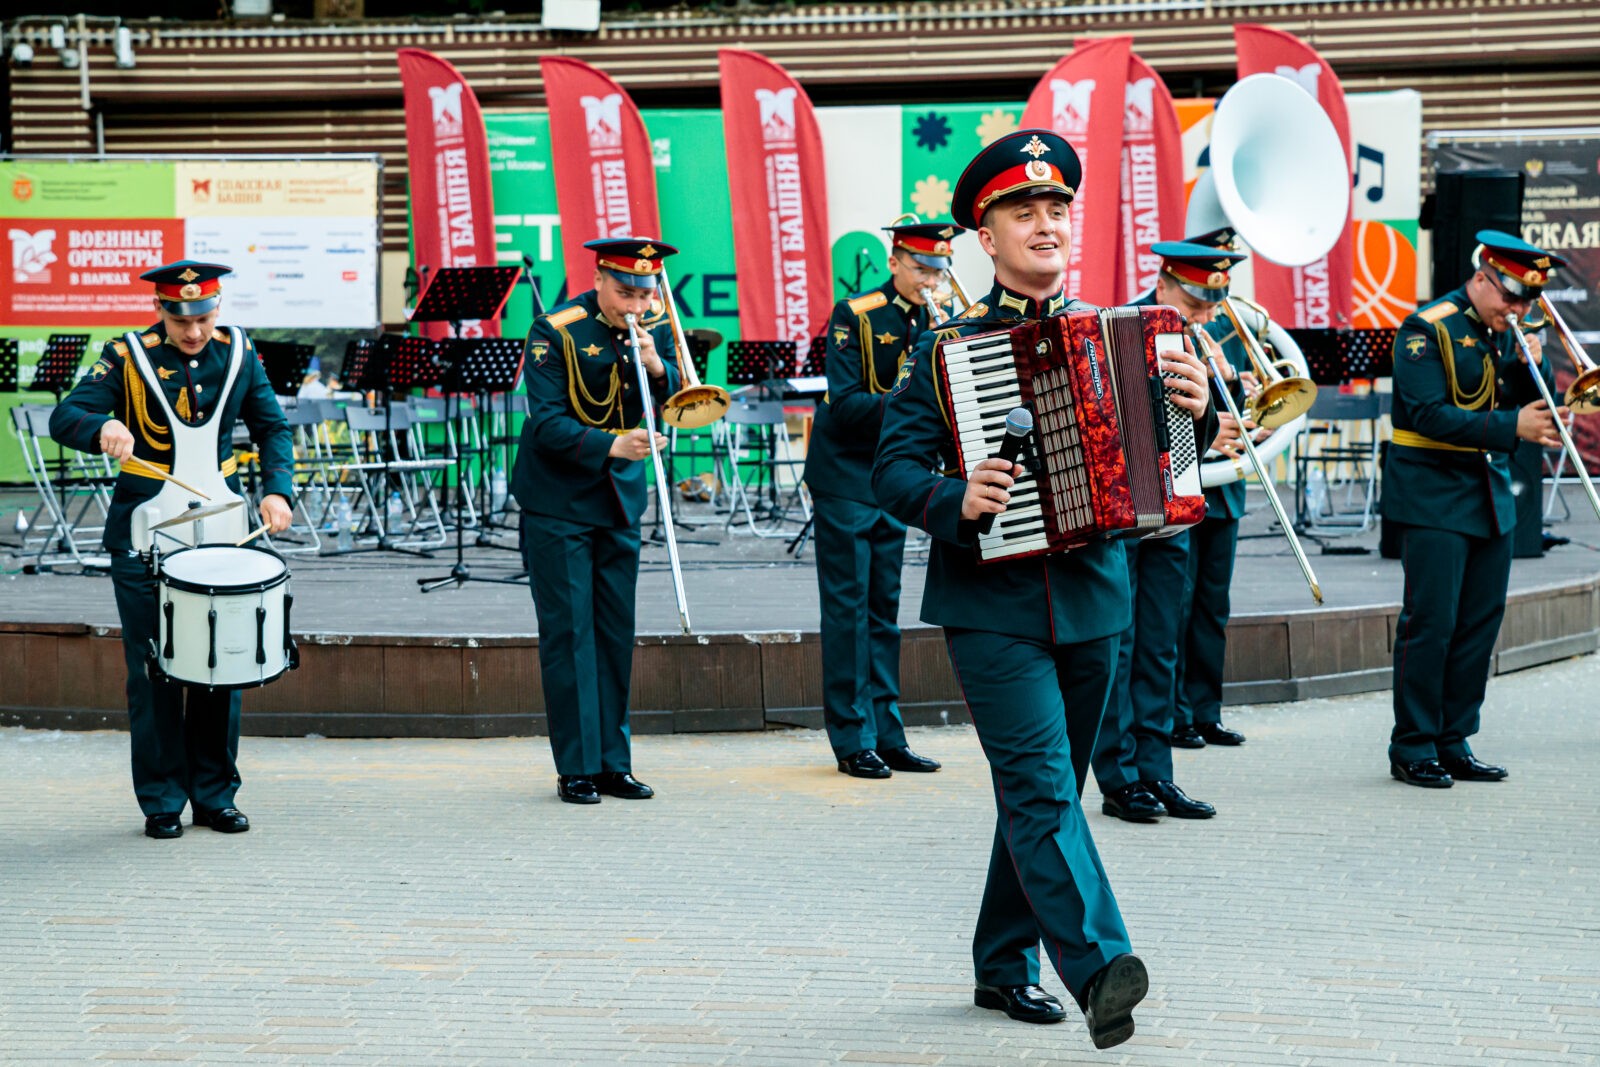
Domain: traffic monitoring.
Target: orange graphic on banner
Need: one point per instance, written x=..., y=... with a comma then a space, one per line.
x=1385, y=282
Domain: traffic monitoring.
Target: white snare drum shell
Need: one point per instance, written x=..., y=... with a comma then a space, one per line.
x=222, y=619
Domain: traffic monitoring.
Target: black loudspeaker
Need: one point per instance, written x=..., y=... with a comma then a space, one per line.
x=1464, y=202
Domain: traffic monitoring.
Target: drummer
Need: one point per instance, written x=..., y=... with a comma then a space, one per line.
x=185, y=739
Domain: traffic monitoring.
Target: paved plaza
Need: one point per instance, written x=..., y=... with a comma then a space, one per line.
x=421, y=901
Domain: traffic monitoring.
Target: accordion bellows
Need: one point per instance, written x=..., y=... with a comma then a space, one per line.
x=1116, y=458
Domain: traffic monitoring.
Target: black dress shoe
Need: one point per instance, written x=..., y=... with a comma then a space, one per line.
x=903, y=759
x=865, y=764
x=163, y=827
x=1179, y=805
x=577, y=789
x=1471, y=769
x=1132, y=803
x=1025, y=1003
x=1110, y=998
x=622, y=785
x=1424, y=772
x=1217, y=734
x=1187, y=737
x=223, y=820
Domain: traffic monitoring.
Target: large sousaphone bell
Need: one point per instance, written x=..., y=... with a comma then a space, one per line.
x=1280, y=178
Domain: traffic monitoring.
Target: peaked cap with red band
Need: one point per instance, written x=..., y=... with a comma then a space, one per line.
x=188, y=287
x=1027, y=162
x=634, y=261
x=1199, y=270
x=1524, y=268
x=927, y=242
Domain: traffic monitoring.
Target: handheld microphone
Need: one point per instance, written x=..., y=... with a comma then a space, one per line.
x=1019, y=427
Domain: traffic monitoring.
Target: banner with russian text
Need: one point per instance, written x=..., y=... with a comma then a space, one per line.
x=777, y=186
x=600, y=151
x=1083, y=99
x=1318, y=294
x=1152, y=179
x=447, y=152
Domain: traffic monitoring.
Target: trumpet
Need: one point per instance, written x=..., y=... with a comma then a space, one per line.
x=1283, y=397
x=696, y=404
x=1255, y=461
x=1583, y=395
x=662, y=493
x=1561, y=426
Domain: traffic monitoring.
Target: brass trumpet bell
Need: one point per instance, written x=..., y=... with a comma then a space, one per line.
x=1583, y=395
x=1282, y=401
x=695, y=406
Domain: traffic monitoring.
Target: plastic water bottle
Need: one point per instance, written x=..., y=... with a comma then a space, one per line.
x=394, y=514
x=1316, y=493
x=347, y=539
x=497, y=488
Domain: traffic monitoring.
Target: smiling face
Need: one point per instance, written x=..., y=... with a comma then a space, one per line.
x=189, y=333
x=1028, y=238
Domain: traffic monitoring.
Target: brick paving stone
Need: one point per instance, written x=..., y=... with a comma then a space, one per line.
x=406, y=900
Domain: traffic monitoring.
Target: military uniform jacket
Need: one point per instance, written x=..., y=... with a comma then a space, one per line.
x=113, y=388
x=1457, y=388
x=869, y=336
x=583, y=391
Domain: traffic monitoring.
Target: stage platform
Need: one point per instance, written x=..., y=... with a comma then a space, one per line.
x=382, y=659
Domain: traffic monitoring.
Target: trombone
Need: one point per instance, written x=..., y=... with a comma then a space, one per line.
x=696, y=404
x=949, y=276
x=1583, y=395
x=1282, y=398
x=1561, y=425
x=661, y=472
x=1255, y=461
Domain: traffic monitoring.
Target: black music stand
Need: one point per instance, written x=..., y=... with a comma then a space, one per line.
x=8, y=364
x=1324, y=356
x=461, y=294
x=816, y=365
x=1368, y=353
x=481, y=367
x=764, y=364
x=287, y=363
x=394, y=363
x=57, y=370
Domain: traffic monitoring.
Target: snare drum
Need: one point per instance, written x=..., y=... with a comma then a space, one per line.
x=224, y=617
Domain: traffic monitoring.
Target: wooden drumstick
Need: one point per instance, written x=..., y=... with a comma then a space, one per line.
x=251, y=536
x=134, y=465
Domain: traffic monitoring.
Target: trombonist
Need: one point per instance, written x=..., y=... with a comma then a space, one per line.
x=860, y=546
x=582, y=487
x=1462, y=400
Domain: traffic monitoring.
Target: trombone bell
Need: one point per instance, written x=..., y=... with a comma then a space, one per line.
x=1583, y=395
x=695, y=406
x=1282, y=401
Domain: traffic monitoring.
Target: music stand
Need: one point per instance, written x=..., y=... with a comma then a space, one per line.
x=1324, y=355
x=816, y=362
x=8, y=364
x=58, y=367
x=481, y=366
x=1368, y=353
x=460, y=294
x=759, y=363
x=287, y=363
x=356, y=355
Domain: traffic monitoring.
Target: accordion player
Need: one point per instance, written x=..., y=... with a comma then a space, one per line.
x=1115, y=457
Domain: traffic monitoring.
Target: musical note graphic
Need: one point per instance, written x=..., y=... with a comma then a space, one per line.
x=1366, y=154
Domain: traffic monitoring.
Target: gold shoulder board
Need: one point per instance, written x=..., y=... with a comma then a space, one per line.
x=120, y=348
x=1443, y=309
x=976, y=311
x=150, y=340
x=863, y=304
x=220, y=333
x=567, y=317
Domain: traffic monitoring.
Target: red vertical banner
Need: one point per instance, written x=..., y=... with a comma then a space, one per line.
x=1082, y=99
x=605, y=172
x=447, y=155
x=1152, y=179
x=1318, y=294
x=778, y=192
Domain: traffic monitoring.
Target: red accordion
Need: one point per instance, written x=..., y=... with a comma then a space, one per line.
x=1117, y=458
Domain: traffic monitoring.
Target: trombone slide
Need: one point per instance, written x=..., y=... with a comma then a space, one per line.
x=1265, y=477
x=661, y=475
x=1561, y=426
